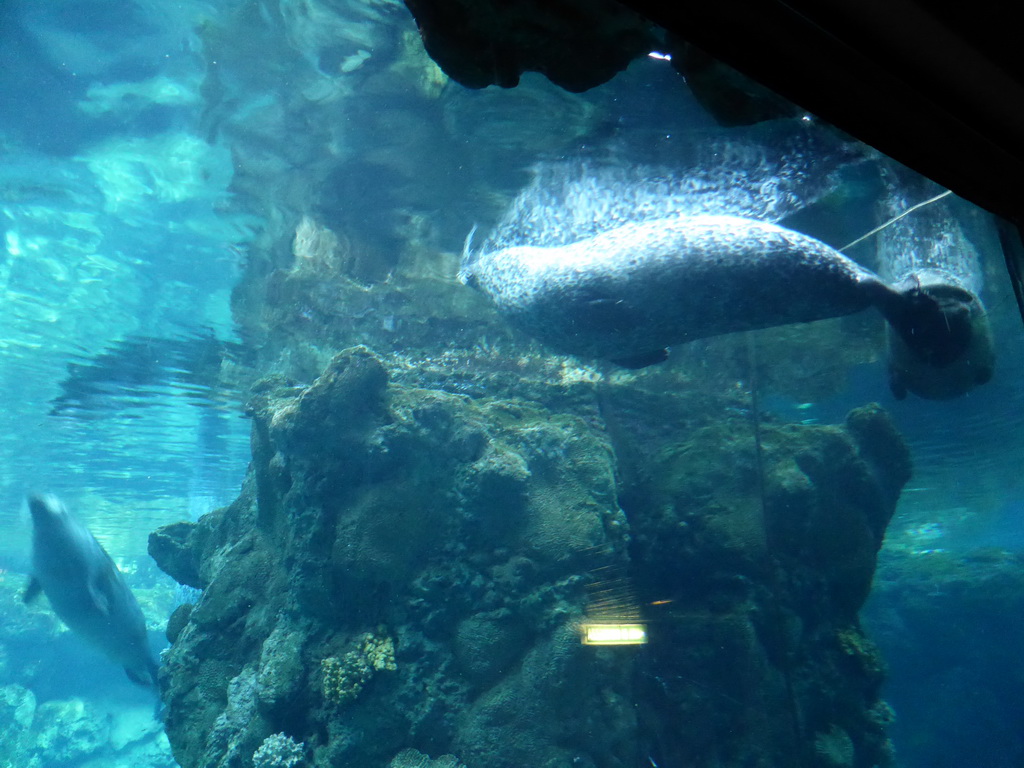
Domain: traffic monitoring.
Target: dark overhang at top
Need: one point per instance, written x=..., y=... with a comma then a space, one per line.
x=938, y=86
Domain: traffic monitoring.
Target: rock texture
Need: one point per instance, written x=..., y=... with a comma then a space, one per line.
x=455, y=531
x=758, y=568
x=411, y=568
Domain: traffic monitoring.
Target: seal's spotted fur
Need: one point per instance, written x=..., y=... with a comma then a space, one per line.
x=636, y=289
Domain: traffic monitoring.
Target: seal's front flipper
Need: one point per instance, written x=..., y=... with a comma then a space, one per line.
x=100, y=601
x=642, y=360
x=32, y=590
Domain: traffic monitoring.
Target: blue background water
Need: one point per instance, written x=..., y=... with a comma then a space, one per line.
x=112, y=233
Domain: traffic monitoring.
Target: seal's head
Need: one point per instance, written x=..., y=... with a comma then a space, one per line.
x=46, y=509
x=939, y=339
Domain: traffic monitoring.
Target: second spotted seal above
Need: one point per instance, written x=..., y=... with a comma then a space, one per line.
x=613, y=265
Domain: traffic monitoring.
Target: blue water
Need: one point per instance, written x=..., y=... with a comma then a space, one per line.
x=115, y=270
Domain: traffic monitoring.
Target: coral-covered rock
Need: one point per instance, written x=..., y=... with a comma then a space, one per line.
x=759, y=547
x=278, y=751
x=343, y=589
x=412, y=567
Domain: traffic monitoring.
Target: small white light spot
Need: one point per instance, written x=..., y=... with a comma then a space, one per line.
x=614, y=634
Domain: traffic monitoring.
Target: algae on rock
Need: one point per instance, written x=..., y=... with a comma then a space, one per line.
x=375, y=510
x=468, y=532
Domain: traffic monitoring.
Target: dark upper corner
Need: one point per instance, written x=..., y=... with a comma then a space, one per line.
x=937, y=86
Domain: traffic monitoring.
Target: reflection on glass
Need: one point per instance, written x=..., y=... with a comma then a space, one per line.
x=382, y=393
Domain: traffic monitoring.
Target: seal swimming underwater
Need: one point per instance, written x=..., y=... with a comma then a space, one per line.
x=628, y=293
x=86, y=590
x=937, y=251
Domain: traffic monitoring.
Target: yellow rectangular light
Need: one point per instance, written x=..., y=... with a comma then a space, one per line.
x=614, y=634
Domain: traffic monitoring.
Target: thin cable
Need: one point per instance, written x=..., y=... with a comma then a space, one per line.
x=907, y=212
x=786, y=662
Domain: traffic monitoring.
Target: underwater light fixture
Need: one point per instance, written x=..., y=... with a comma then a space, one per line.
x=612, y=615
x=614, y=634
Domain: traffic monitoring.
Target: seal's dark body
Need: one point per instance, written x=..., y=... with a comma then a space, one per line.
x=86, y=590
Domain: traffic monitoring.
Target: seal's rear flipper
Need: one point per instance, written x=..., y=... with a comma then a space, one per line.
x=643, y=359
x=147, y=677
x=32, y=590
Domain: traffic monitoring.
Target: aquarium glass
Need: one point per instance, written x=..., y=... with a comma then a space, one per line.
x=441, y=426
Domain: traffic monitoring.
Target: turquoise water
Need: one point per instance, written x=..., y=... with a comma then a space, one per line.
x=198, y=195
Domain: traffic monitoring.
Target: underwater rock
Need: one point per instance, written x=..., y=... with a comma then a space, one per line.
x=487, y=645
x=233, y=736
x=577, y=45
x=758, y=567
x=17, y=711
x=131, y=726
x=493, y=730
x=177, y=621
x=280, y=679
x=377, y=521
x=411, y=567
x=278, y=751
x=169, y=548
x=68, y=731
x=18, y=705
x=76, y=732
x=412, y=758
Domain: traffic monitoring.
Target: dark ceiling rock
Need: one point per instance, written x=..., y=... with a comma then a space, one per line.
x=577, y=44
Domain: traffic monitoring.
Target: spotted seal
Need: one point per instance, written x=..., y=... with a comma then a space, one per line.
x=86, y=590
x=627, y=294
x=936, y=253
x=942, y=374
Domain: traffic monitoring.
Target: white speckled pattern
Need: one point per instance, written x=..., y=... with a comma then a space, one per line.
x=647, y=285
